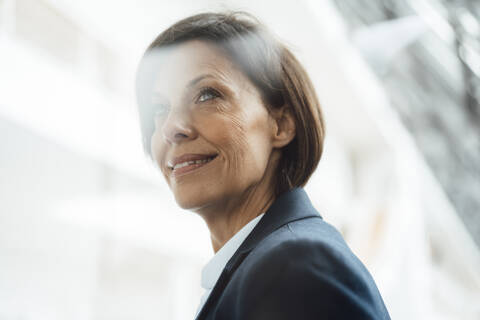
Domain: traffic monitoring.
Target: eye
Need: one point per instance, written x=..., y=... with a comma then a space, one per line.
x=160, y=110
x=207, y=94
x=159, y=106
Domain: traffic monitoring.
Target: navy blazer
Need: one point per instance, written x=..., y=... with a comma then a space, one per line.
x=294, y=265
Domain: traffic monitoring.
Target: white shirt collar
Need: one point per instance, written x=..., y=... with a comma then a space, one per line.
x=212, y=270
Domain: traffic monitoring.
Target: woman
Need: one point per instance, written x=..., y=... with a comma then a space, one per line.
x=231, y=119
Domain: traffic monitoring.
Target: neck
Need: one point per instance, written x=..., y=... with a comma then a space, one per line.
x=227, y=218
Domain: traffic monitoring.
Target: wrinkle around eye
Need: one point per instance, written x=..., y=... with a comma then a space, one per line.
x=213, y=94
x=222, y=87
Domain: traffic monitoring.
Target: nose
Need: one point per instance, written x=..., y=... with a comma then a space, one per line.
x=178, y=127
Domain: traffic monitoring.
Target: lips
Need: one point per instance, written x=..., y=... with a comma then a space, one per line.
x=189, y=162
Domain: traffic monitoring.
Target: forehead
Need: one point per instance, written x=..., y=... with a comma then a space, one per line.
x=184, y=62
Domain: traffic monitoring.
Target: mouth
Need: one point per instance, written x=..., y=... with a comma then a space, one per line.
x=188, y=163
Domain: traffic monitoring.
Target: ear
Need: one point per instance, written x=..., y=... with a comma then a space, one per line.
x=283, y=127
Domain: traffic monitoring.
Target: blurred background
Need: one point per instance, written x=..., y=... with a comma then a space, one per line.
x=88, y=229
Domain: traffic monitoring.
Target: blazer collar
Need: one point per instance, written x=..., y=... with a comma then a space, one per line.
x=289, y=206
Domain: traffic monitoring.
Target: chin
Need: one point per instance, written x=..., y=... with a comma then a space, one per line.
x=201, y=200
x=186, y=203
x=192, y=200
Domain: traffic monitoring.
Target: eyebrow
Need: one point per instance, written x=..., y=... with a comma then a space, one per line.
x=191, y=83
x=198, y=79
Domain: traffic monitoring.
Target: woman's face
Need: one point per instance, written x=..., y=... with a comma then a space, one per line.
x=213, y=134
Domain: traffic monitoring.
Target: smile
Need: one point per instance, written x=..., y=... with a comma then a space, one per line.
x=184, y=167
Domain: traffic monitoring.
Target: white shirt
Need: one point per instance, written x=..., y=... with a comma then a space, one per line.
x=212, y=270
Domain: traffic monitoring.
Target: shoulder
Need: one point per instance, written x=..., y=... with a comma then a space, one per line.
x=305, y=242
x=306, y=270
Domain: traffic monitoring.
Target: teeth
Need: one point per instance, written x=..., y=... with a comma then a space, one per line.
x=188, y=163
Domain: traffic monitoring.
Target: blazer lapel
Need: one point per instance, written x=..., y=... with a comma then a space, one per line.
x=289, y=206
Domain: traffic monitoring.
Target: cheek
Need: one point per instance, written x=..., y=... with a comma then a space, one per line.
x=236, y=142
x=243, y=141
x=157, y=148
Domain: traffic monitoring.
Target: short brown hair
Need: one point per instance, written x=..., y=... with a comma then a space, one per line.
x=272, y=68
